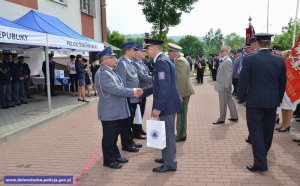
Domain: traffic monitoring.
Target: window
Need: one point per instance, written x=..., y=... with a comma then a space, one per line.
x=64, y=2
x=88, y=7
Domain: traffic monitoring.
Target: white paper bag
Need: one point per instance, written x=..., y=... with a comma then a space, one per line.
x=138, y=115
x=156, y=134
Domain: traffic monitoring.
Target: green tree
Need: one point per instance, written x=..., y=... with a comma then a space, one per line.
x=212, y=42
x=234, y=41
x=164, y=13
x=116, y=39
x=191, y=45
x=285, y=39
x=138, y=40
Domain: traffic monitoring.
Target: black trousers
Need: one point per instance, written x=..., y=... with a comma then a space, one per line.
x=52, y=89
x=74, y=83
x=111, y=131
x=200, y=74
x=260, y=122
x=143, y=105
x=235, y=82
x=126, y=134
x=214, y=74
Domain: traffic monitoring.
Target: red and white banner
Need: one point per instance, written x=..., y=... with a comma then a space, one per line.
x=249, y=34
x=293, y=73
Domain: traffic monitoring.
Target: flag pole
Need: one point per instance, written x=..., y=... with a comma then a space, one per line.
x=268, y=17
x=295, y=24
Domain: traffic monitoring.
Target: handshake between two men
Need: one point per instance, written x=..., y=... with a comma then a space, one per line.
x=138, y=92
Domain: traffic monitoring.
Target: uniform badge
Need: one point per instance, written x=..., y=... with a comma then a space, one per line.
x=161, y=75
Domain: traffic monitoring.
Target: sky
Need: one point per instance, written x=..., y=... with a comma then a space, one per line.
x=126, y=17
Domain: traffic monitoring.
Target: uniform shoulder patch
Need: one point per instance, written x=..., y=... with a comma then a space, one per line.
x=161, y=75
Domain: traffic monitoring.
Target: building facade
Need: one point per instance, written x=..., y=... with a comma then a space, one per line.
x=83, y=16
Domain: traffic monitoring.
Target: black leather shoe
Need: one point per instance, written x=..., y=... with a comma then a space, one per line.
x=5, y=107
x=218, y=122
x=130, y=149
x=248, y=140
x=296, y=140
x=140, y=136
x=233, y=119
x=296, y=116
x=122, y=160
x=114, y=165
x=24, y=102
x=181, y=139
x=254, y=169
x=159, y=161
x=163, y=169
x=143, y=133
x=137, y=145
x=297, y=120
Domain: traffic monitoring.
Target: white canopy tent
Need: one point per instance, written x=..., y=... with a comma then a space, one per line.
x=38, y=31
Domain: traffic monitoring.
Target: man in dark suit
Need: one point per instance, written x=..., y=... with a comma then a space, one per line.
x=166, y=101
x=261, y=85
x=51, y=75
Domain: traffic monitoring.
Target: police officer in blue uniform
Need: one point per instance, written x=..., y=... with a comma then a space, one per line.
x=113, y=110
x=261, y=85
x=145, y=81
x=128, y=74
x=5, y=78
x=166, y=101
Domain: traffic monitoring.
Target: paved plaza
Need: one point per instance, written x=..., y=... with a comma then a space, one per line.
x=213, y=155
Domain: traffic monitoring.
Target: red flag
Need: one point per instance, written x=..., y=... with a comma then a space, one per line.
x=249, y=34
x=292, y=63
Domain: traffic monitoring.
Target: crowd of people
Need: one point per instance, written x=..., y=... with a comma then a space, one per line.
x=254, y=75
x=123, y=86
x=14, y=80
x=80, y=73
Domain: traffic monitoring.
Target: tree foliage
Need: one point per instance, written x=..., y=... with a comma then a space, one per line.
x=285, y=39
x=138, y=40
x=212, y=42
x=164, y=14
x=191, y=45
x=116, y=39
x=234, y=41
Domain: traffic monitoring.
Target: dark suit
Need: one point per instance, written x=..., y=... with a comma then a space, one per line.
x=52, y=76
x=262, y=84
x=166, y=99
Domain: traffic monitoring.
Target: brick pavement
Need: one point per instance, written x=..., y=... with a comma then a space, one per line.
x=212, y=155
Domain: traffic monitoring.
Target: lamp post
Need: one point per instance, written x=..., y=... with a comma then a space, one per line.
x=295, y=23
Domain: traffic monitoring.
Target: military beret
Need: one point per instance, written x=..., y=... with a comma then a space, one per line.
x=72, y=56
x=78, y=56
x=128, y=45
x=263, y=36
x=277, y=47
x=106, y=52
x=140, y=47
x=149, y=42
x=174, y=47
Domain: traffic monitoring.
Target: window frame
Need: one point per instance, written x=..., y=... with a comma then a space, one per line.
x=65, y=2
x=88, y=7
